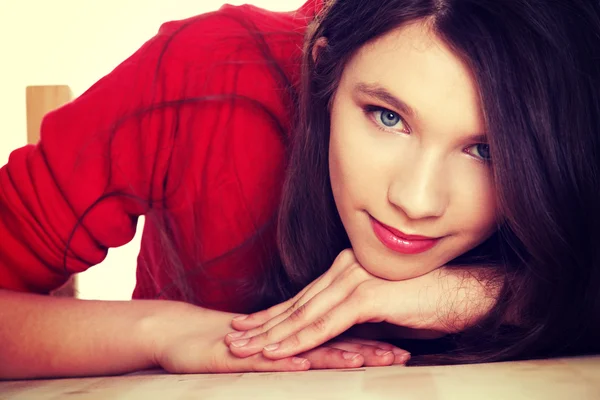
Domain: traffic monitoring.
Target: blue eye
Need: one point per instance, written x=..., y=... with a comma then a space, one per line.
x=482, y=151
x=389, y=118
x=386, y=120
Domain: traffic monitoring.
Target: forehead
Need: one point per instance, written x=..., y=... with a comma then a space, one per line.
x=415, y=65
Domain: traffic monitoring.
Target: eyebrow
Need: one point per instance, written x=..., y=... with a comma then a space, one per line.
x=379, y=92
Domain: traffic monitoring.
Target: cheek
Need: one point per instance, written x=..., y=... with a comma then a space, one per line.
x=477, y=206
x=352, y=162
x=341, y=153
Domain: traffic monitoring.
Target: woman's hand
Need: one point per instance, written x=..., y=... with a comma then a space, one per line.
x=440, y=302
x=190, y=340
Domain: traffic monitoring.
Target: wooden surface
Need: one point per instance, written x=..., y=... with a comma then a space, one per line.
x=571, y=379
x=40, y=101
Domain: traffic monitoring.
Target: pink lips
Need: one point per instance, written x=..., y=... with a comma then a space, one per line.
x=400, y=242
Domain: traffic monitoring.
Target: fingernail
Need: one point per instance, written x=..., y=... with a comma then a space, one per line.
x=402, y=358
x=349, y=356
x=272, y=347
x=236, y=335
x=240, y=343
x=298, y=360
x=400, y=352
x=382, y=352
x=240, y=318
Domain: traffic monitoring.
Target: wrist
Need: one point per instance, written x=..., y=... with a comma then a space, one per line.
x=448, y=300
x=468, y=293
x=156, y=328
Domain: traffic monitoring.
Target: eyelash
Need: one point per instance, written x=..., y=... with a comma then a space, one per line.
x=486, y=161
x=369, y=110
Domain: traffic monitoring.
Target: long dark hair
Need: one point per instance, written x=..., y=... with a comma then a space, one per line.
x=537, y=66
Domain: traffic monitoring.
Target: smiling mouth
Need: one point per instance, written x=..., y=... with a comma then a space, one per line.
x=399, y=242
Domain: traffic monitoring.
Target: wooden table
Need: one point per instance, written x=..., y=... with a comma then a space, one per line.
x=571, y=379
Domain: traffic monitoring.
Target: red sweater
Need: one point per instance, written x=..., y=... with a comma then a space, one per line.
x=212, y=169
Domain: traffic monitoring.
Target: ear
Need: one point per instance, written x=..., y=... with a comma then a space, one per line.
x=320, y=44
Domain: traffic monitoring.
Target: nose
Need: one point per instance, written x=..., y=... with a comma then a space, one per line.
x=419, y=188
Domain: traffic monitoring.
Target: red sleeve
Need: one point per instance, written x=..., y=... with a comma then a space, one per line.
x=100, y=159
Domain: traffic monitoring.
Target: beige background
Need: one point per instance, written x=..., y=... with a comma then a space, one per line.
x=76, y=42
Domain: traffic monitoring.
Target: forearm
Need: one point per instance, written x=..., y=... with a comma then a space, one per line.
x=43, y=336
x=447, y=300
x=459, y=296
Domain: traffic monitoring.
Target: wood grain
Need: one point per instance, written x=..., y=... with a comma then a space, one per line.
x=556, y=379
x=40, y=101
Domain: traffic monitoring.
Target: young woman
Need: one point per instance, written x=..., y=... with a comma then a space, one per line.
x=399, y=169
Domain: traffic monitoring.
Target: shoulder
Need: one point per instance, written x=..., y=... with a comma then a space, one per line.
x=233, y=49
x=219, y=33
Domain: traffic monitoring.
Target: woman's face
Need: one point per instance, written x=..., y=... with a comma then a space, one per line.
x=408, y=156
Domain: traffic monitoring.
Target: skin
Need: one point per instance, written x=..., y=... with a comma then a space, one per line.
x=419, y=165
x=55, y=337
x=425, y=174
x=421, y=182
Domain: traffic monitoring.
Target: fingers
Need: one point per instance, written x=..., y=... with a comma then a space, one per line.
x=314, y=313
x=292, y=306
x=335, y=355
x=296, y=317
x=182, y=359
x=343, y=353
x=337, y=303
x=326, y=357
x=247, y=322
x=375, y=353
x=319, y=330
x=255, y=320
x=258, y=320
x=259, y=363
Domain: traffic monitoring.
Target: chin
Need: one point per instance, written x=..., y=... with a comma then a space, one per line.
x=388, y=266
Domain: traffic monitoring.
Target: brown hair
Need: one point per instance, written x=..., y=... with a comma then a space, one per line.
x=536, y=66
x=535, y=63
